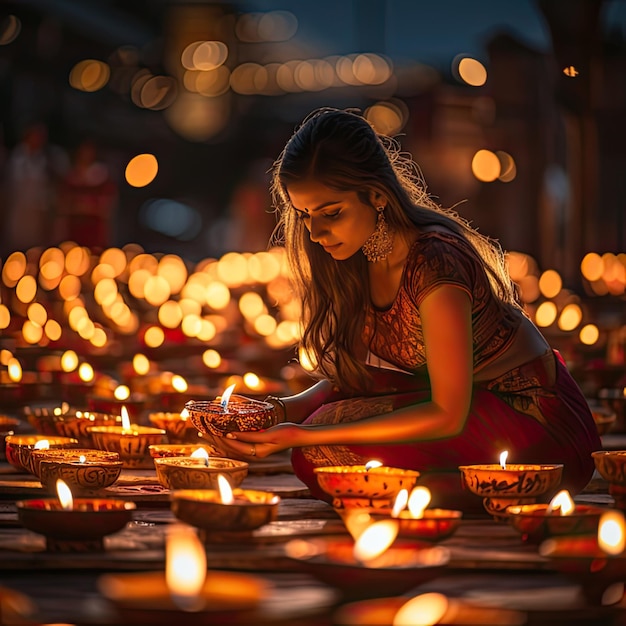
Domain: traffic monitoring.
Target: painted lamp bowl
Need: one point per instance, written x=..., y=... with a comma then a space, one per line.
x=178, y=428
x=196, y=473
x=79, y=423
x=514, y=484
x=241, y=413
x=358, y=486
x=611, y=465
x=537, y=522
x=131, y=444
x=7, y=426
x=164, y=450
x=69, y=455
x=20, y=447
x=85, y=474
x=204, y=509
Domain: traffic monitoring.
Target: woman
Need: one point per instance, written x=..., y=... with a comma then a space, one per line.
x=427, y=360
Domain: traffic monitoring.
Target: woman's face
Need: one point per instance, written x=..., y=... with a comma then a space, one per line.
x=337, y=220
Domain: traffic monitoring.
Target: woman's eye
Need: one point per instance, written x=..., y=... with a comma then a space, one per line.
x=332, y=215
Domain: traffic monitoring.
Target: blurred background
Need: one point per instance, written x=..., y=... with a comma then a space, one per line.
x=136, y=138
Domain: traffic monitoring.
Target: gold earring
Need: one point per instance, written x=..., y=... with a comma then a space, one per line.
x=380, y=243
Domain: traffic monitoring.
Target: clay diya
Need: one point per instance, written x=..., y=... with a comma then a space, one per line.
x=7, y=427
x=224, y=509
x=177, y=426
x=130, y=441
x=595, y=561
x=506, y=485
x=186, y=593
x=198, y=472
x=74, y=524
x=230, y=413
x=371, y=485
x=78, y=424
x=415, y=521
x=604, y=417
x=85, y=471
x=400, y=567
x=561, y=517
x=19, y=448
x=611, y=465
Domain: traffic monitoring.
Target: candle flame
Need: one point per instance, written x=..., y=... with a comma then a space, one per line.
x=201, y=453
x=65, y=495
x=185, y=567
x=43, y=444
x=184, y=414
x=400, y=502
x=226, y=492
x=425, y=609
x=226, y=396
x=418, y=501
x=503, y=456
x=372, y=464
x=375, y=539
x=611, y=537
x=82, y=458
x=125, y=419
x=561, y=502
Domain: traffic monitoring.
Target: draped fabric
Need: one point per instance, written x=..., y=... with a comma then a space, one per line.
x=537, y=412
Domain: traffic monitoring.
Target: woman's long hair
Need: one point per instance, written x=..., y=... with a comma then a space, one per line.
x=341, y=150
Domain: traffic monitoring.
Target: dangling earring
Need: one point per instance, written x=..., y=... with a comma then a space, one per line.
x=380, y=243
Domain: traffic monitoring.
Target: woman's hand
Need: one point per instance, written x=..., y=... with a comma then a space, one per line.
x=256, y=444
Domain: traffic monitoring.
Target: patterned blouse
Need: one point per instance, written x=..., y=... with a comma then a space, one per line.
x=437, y=258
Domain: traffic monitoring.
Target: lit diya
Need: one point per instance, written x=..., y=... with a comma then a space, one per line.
x=376, y=564
x=611, y=465
x=595, y=561
x=160, y=450
x=562, y=516
x=8, y=425
x=186, y=593
x=371, y=485
x=19, y=447
x=415, y=520
x=505, y=485
x=230, y=413
x=74, y=524
x=84, y=470
x=198, y=471
x=130, y=441
x=78, y=423
x=225, y=509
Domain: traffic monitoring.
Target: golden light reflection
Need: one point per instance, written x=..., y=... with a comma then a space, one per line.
x=185, y=566
x=422, y=610
x=42, y=444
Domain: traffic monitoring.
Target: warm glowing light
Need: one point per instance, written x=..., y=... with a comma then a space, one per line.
x=82, y=458
x=85, y=372
x=611, y=536
x=356, y=521
x=69, y=361
x=141, y=170
x=418, y=501
x=486, y=166
x=422, y=610
x=562, y=502
x=65, y=495
x=226, y=396
x=154, y=336
x=473, y=72
x=252, y=381
x=400, y=502
x=570, y=317
x=589, y=334
x=43, y=444
x=375, y=539
x=125, y=419
x=550, y=283
x=226, y=492
x=592, y=266
x=372, y=464
x=14, y=369
x=503, y=457
x=122, y=392
x=545, y=314
x=185, y=567
x=184, y=415
x=179, y=383
x=211, y=358
x=141, y=364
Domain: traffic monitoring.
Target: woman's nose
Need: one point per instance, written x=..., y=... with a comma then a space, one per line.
x=316, y=230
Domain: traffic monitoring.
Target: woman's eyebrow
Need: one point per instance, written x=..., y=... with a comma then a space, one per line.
x=318, y=208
